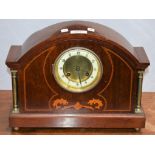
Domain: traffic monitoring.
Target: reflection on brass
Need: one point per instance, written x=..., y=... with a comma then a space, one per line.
x=14, y=91
x=140, y=80
x=76, y=64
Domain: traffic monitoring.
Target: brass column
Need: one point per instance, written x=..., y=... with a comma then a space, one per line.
x=14, y=91
x=140, y=80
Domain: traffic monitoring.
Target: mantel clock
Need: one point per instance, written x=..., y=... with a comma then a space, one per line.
x=77, y=74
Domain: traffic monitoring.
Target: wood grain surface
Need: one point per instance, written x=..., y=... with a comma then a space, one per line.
x=148, y=102
x=38, y=91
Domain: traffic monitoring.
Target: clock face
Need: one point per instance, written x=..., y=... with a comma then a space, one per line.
x=78, y=69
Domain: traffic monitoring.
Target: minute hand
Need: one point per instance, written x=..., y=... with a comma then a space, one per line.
x=79, y=78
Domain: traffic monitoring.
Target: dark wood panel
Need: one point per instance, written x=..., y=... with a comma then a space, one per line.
x=13, y=55
x=76, y=121
x=37, y=77
x=141, y=56
x=53, y=30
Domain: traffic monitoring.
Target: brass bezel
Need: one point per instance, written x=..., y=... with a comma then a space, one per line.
x=73, y=89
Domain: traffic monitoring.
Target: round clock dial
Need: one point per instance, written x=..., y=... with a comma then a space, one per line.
x=78, y=69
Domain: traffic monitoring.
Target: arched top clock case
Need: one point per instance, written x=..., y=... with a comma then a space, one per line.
x=77, y=74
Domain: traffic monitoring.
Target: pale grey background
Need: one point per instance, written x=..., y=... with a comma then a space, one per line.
x=137, y=32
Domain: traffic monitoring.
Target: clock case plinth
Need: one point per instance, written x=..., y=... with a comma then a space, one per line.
x=39, y=102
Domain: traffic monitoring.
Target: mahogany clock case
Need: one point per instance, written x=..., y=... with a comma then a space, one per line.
x=38, y=100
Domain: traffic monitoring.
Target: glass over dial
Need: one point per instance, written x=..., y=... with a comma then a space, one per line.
x=78, y=69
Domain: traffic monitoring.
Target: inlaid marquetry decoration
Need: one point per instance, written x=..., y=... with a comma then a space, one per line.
x=77, y=74
x=58, y=103
x=96, y=103
x=62, y=104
